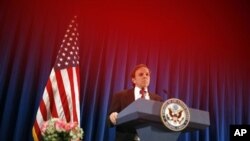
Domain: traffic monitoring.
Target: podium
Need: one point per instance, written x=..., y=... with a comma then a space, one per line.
x=144, y=116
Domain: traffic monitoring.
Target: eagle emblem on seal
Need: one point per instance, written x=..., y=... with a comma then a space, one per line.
x=175, y=116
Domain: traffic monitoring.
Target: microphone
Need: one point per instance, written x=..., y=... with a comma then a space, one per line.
x=166, y=93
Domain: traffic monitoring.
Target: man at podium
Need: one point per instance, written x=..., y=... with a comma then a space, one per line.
x=140, y=77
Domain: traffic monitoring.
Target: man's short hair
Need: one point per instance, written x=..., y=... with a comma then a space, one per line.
x=132, y=74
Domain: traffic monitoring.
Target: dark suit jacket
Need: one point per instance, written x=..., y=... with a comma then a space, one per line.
x=120, y=101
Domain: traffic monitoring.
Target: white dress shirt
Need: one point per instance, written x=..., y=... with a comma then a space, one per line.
x=137, y=94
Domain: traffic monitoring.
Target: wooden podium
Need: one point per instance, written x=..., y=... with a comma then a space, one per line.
x=144, y=116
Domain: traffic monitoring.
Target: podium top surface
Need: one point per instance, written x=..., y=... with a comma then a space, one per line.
x=141, y=111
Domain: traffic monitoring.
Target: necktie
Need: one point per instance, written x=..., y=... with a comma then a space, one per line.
x=142, y=92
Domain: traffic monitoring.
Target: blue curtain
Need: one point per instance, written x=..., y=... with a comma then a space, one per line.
x=197, y=52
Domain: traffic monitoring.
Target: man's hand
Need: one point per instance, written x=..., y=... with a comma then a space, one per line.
x=113, y=116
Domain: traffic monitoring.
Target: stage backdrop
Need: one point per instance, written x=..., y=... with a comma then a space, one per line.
x=198, y=51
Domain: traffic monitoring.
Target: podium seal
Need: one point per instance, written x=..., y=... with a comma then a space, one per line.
x=175, y=114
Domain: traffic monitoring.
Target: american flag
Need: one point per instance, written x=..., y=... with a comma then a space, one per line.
x=61, y=94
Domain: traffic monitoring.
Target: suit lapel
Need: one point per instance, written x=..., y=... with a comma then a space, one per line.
x=131, y=95
x=151, y=97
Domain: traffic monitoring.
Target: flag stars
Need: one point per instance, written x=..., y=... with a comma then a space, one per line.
x=68, y=53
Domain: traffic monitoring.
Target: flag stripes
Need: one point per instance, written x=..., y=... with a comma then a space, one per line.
x=58, y=103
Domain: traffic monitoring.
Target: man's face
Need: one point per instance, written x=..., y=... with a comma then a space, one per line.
x=142, y=77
